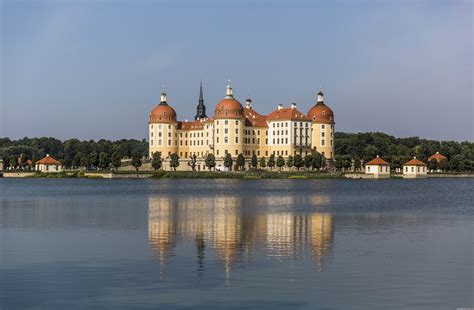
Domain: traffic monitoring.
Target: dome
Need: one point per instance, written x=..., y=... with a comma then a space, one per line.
x=163, y=113
x=321, y=113
x=229, y=108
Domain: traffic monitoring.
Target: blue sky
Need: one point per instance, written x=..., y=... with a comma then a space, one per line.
x=94, y=69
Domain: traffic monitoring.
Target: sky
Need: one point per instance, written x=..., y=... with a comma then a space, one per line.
x=94, y=69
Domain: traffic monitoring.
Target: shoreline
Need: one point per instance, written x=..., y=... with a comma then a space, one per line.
x=245, y=175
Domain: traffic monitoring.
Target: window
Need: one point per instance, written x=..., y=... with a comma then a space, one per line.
x=169, y=142
x=217, y=152
x=226, y=122
x=322, y=142
x=151, y=142
x=236, y=131
x=152, y=133
x=159, y=142
x=226, y=130
x=322, y=133
x=226, y=140
x=236, y=152
x=368, y=168
x=169, y=126
x=159, y=134
x=322, y=126
x=237, y=123
x=217, y=140
x=236, y=139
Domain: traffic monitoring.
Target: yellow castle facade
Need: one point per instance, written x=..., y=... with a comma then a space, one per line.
x=234, y=129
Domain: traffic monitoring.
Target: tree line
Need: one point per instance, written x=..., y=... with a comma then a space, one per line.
x=72, y=153
x=352, y=151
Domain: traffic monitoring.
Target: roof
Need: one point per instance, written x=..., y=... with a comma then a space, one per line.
x=287, y=114
x=414, y=162
x=228, y=108
x=378, y=161
x=163, y=113
x=321, y=113
x=437, y=156
x=194, y=125
x=48, y=160
x=254, y=119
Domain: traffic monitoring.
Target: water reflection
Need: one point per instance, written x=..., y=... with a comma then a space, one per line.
x=230, y=230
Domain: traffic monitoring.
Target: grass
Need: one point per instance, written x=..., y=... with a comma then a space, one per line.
x=252, y=175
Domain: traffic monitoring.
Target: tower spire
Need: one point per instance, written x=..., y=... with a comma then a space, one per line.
x=201, y=108
x=163, y=96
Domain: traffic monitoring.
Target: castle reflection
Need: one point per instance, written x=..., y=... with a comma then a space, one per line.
x=232, y=230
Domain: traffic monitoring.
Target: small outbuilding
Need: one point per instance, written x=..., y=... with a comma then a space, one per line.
x=378, y=168
x=48, y=164
x=441, y=161
x=415, y=169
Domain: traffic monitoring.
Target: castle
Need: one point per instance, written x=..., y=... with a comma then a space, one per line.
x=234, y=129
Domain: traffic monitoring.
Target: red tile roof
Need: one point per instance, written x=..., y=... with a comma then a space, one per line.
x=287, y=114
x=254, y=119
x=437, y=156
x=48, y=160
x=414, y=162
x=378, y=161
x=195, y=125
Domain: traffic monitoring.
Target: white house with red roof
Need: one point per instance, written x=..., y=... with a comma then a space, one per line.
x=48, y=164
x=378, y=168
x=415, y=169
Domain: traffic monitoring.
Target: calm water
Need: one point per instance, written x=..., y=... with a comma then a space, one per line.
x=213, y=244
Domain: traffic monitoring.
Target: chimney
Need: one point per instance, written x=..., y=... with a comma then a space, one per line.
x=248, y=103
x=280, y=106
x=293, y=105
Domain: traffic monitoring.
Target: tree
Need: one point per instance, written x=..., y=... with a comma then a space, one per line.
x=192, y=162
x=357, y=164
x=76, y=161
x=241, y=161
x=174, y=161
x=156, y=160
x=433, y=164
x=298, y=162
x=271, y=161
x=338, y=162
x=280, y=162
x=263, y=164
x=117, y=160
x=317, y=158
x=290, y=162
x=22, y=161
x=94, y=159
x=228, y=161
x=370, y=152
x=346, y=162
x=104, y=160
x=84, y=161
x=210, y=161
x=13, y=162
x=136, y=160
x=308, y=161
x=254, y=161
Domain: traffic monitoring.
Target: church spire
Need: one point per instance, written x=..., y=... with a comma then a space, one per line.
x=201, y=108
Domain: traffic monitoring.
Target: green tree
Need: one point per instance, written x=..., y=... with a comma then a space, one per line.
x=433, y=164
x=240, y=161
x=22, y=161
x=309, y=161
x=290, y=163
x=338, y=162
x=174, y=161
x=254, y=161
x=271, y=161
x=192, y=162
x=76, y=161
x=280, y=163
x=228, y=161
x=210, y=161
x=136, y=160
x=94, y=159
x=104, y=160
x=117, y=160
x=156, y=161
x=84, y=161
x=357, y=164
x=317, y=158
x=298, y=162
x=263, y=163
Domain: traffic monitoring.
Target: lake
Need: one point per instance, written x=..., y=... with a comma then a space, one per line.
x=236, y=244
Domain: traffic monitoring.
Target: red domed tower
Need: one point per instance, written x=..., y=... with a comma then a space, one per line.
x=322, y=132
x=163, y=129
